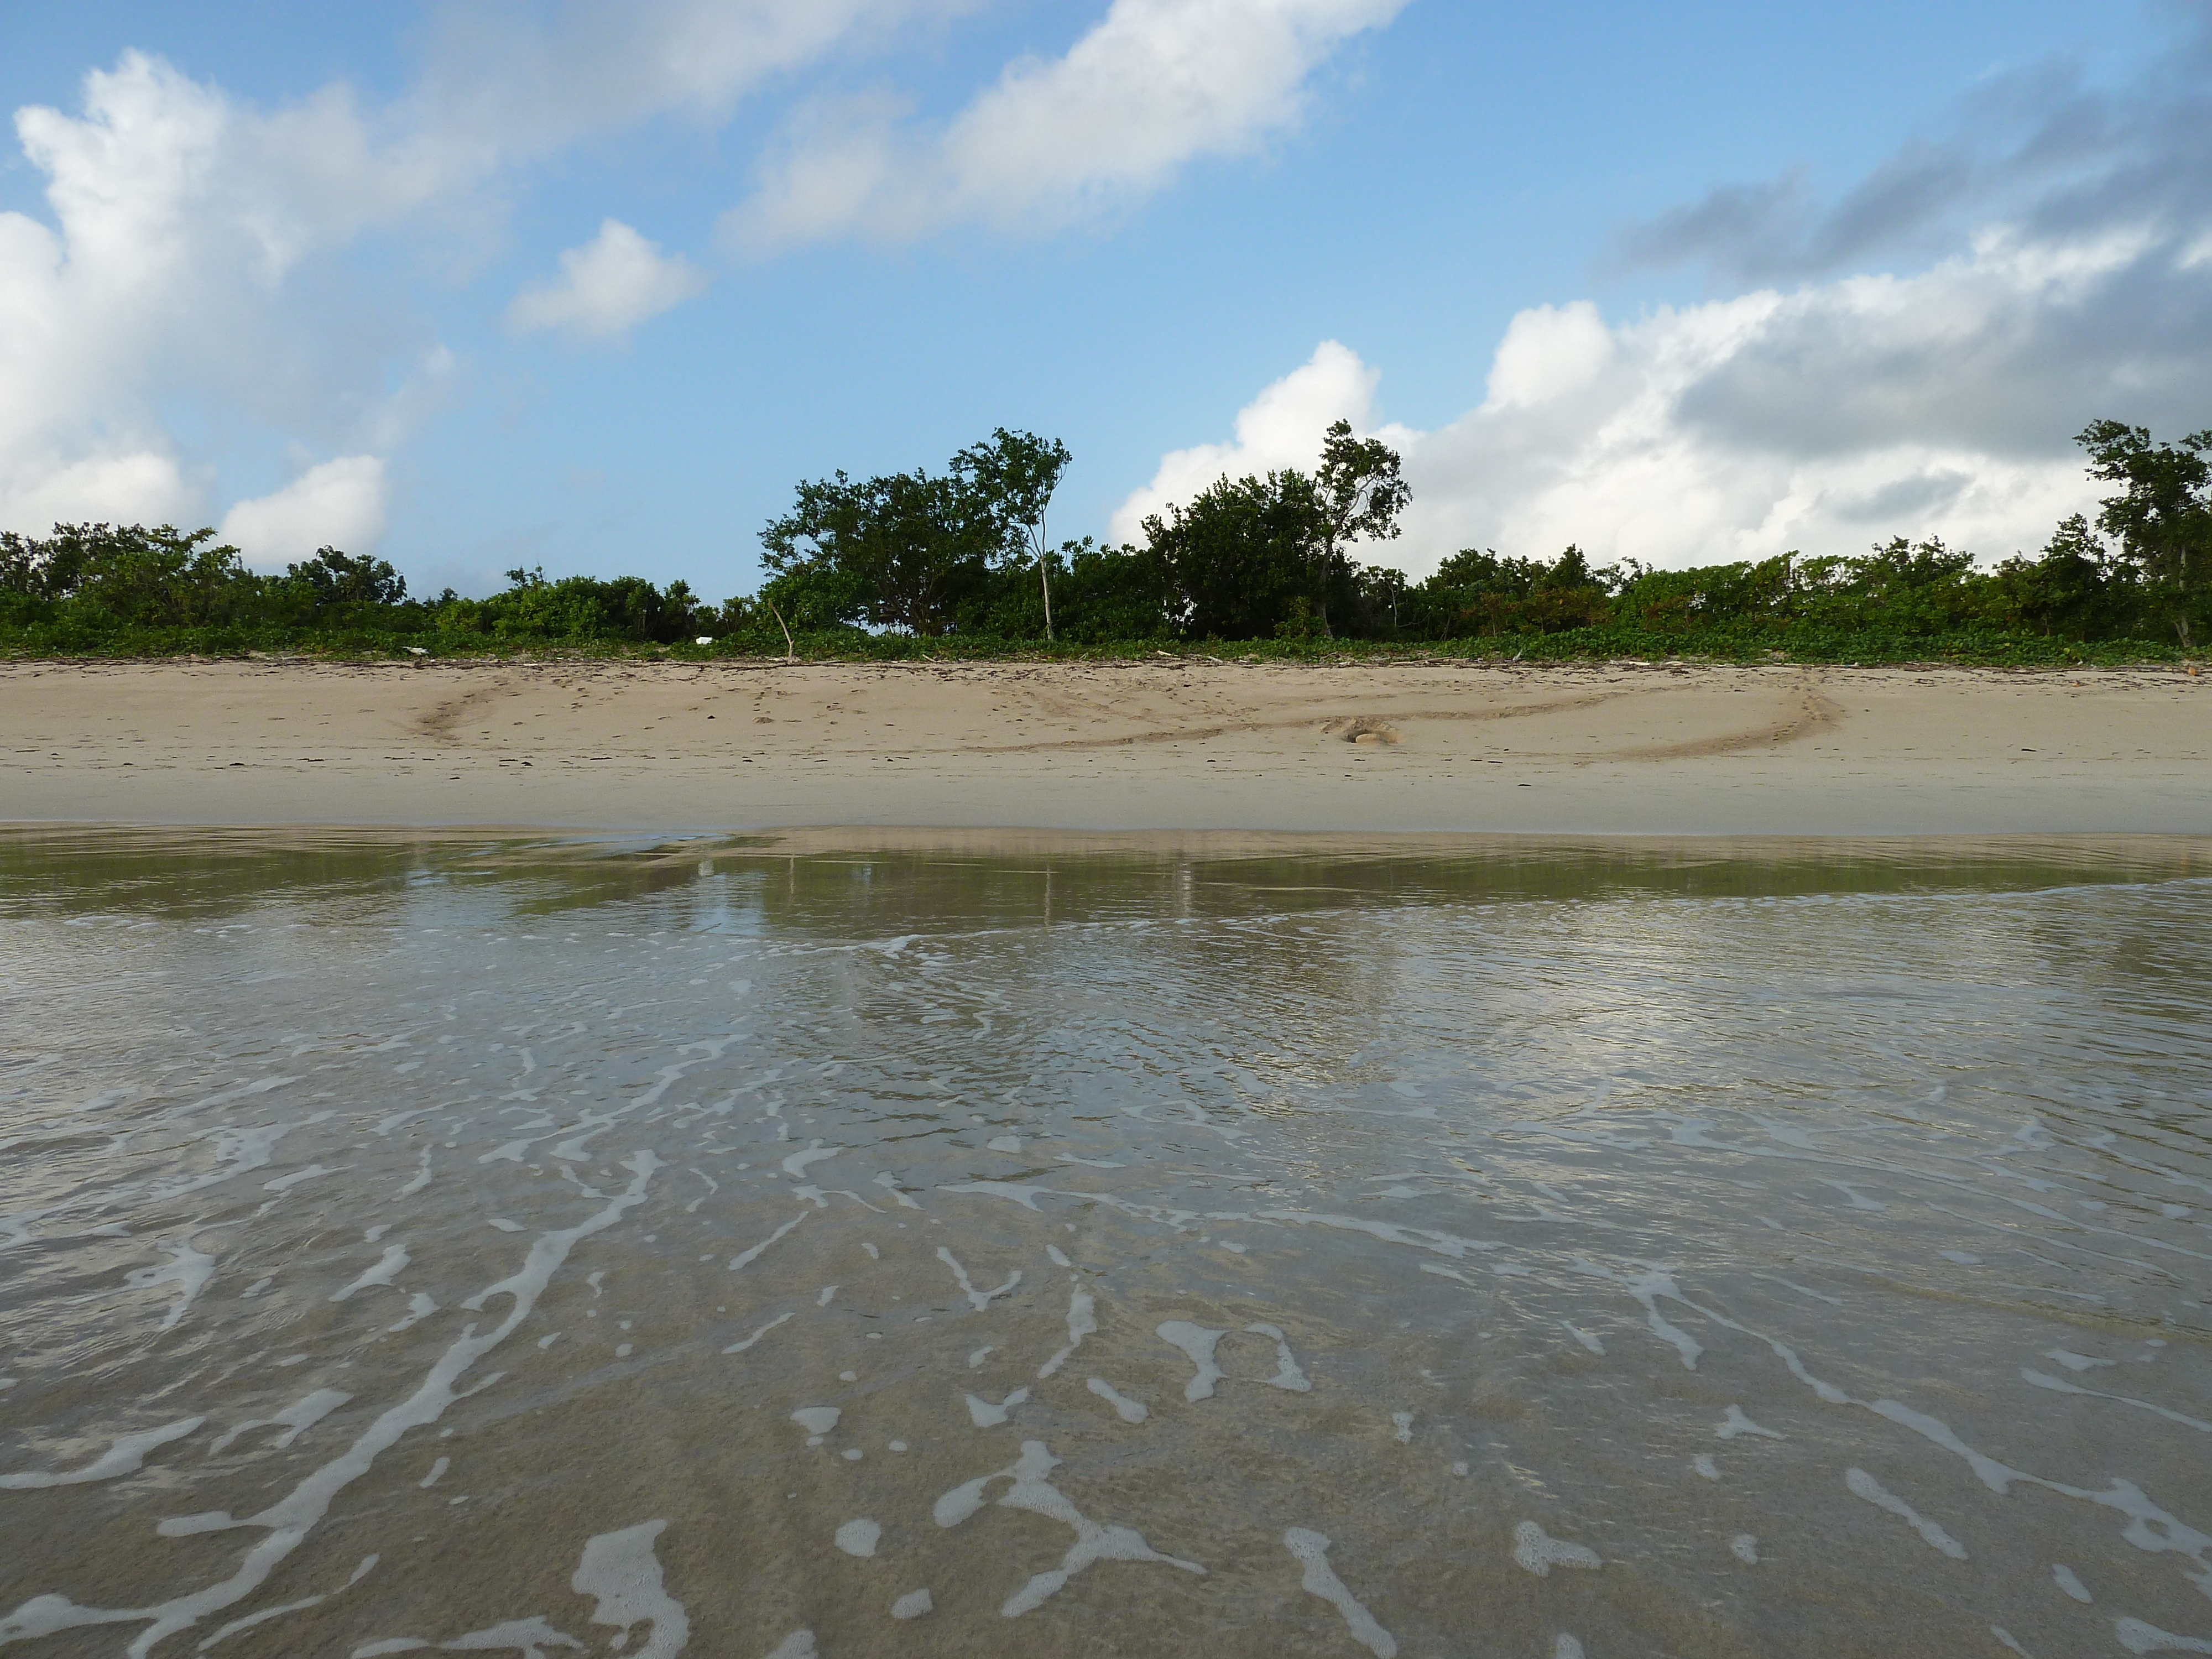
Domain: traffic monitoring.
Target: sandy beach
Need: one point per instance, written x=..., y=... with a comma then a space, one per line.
x=1195, y=745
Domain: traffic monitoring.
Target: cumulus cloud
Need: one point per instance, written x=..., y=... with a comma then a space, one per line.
x=1817, y=420
x=1280, y=427
x=607, y=287
x=2076, y=284
x=340, y=503
x=1156, y=85
x=140, y=488
x=185, y=255
x=177, y=218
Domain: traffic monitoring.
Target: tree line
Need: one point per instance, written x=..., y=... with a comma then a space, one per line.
x=960, y=561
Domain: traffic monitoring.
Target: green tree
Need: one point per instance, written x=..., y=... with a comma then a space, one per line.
x=131, y=577
x=1236, y=558
x=1359, y=493
x=342, y=579
x=1014, y=477
x=2163, y=515
x=921, y=547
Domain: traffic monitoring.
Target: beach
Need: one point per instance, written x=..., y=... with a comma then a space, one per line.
x=1187, y=743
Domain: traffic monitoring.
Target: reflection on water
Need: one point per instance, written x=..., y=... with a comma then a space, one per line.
x=728, y=1249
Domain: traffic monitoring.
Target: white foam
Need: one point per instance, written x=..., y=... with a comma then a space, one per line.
x=1031, y=1492
x=985, y=1415
x=419, y=1308
x=2136, y=1636
x=1082, y=1321
x=2062, y=1576
x=529, y=1636
x=297, y=1418
x=746, y=1258
x=741, y=1346
x=386, y=1269
x=913, y=1604
x=1004, y=1144
x=816, y=1419
x=1703, y=1464
x=287, y=1523
x=437, y=1473
x=1310, y=1550
x=1287, y=1374
x=621, y=1571
x=2060, y=1385
x=1745, y=1548
x=799, y=1645
x=859, y=1537
x=827, y=1295
x=187, y=1268
x=980, y=1356
x=1735, y=1423
x=1538, y=1552
x=889, y=1184
x=795, y=1165
x=1865, y=1486
x=979, y=1300
x=1128, y=1410
x=1402, y=1423
x=125, y=1454
x=1197, y=1342
x=1583, y=1337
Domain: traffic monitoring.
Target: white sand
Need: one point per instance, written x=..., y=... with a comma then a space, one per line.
x=1587, y=749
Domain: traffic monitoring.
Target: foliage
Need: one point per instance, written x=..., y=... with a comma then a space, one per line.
x=919, y=564
x=2163, y=517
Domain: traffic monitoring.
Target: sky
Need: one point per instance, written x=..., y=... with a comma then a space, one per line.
x=592, y=287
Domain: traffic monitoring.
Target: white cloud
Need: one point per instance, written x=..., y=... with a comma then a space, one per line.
x=115, y=489
x=176, y=217
x=1820, y=420
x=607, y=287
x=342, y=503
x=1155, y=85
x=1280, y=427
x=179, y=262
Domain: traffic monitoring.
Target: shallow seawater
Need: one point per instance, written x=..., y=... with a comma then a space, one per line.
x=555, y=1248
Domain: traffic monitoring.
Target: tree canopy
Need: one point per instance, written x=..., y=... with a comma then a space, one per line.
x=961, y=559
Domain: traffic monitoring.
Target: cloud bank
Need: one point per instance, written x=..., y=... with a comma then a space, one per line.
x=2078, y=285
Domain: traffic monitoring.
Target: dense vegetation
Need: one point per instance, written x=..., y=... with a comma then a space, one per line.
x=959, y=563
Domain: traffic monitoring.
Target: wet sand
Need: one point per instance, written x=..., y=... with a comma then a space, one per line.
x=1183, y=743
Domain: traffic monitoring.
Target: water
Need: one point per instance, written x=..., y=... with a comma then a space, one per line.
x=1540, y=1252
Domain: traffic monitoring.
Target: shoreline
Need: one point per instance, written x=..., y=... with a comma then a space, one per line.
x=1179, y=747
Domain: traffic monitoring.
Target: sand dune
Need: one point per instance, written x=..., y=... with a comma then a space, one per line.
x=1169, y=743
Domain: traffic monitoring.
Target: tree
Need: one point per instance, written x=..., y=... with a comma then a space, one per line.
x=1015, y=476
x=2163, y=517
x=1236, y=559
x=337, y=578
x=914, y=543
x=918, y=545
x=1359, y=492
x=136, y=577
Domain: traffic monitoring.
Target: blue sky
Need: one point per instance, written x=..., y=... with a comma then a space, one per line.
x=592, y=287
